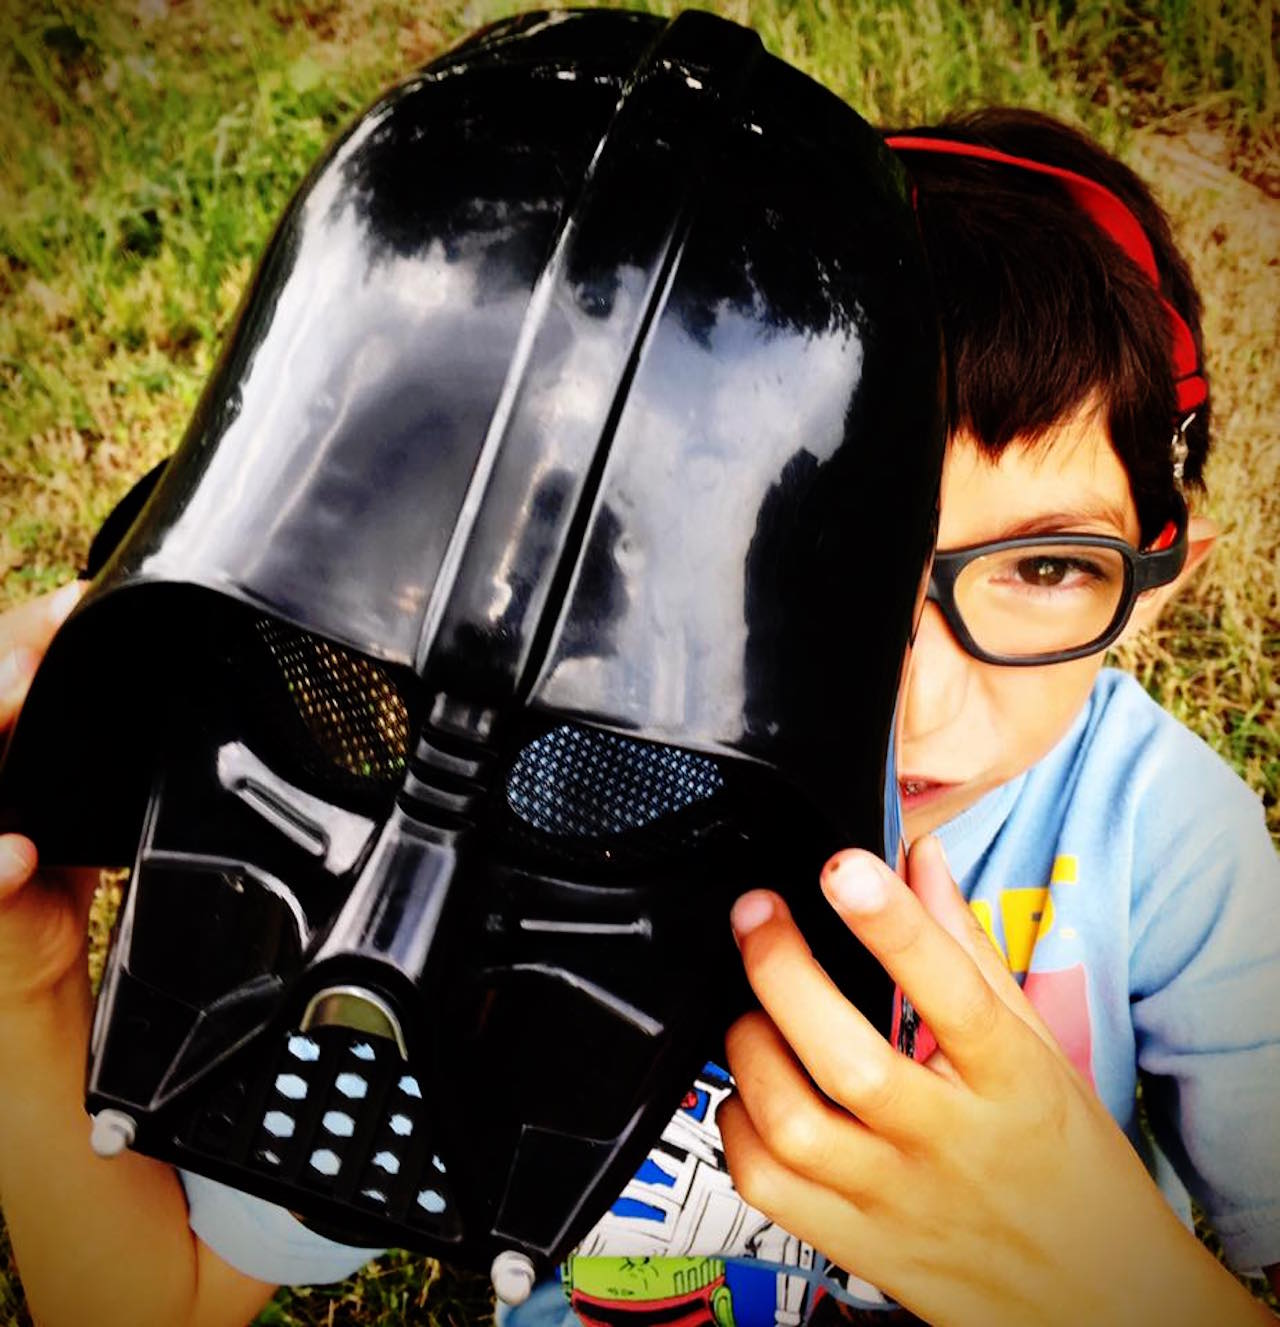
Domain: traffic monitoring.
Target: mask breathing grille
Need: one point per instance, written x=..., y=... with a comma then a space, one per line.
x=349, y=706
x=334, y=1114
x=581, y=783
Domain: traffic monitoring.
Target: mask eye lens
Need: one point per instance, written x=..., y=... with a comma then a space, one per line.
x=597, y=794
x=356, y=721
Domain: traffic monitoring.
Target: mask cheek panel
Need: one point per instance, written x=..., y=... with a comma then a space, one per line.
x=248, y=846
x=609, y=1035
x=201, y=931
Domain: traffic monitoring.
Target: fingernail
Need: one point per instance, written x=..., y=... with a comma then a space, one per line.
x=17, y=857
x=853, y=883
x=751, y=910
x=62, y=601
x=936, y=846
x=16, y=668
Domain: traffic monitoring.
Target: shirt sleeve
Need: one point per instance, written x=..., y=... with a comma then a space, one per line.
x=1205, y=992
x=263, y=1240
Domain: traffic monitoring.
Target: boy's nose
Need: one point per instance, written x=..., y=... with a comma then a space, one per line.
x=938, y=678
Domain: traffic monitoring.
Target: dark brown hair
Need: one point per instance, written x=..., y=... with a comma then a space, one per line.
x=1042, y=310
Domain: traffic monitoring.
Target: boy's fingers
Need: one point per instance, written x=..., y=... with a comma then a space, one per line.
x=80, y=883
x=970, y=1022
x=32, y=624
x=931, y=882
x=25, y=633
x=17, y=668
x=940, y=1065
x=796, y=1122
x=809, y=1209
x=17, y=863
x=846, y=1057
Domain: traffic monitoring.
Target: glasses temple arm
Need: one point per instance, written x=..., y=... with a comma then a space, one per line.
x=1162, y=563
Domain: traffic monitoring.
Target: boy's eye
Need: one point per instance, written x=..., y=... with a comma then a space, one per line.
x=1047, y=572
x=1069, y=570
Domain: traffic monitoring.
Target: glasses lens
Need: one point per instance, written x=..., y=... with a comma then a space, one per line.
x=1041, y=599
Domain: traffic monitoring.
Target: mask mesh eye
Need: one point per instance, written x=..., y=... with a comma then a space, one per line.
x=349, y=706
x=585, y=784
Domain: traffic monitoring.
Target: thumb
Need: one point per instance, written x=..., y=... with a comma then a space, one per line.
x=17, y=668
x=34, y=623
x=25, y=633
x=17, y=863
x=930, y=880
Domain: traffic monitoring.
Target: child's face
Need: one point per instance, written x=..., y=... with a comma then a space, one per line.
x=968, y=727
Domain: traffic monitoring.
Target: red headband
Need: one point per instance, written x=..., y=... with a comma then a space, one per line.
x=1113, y=218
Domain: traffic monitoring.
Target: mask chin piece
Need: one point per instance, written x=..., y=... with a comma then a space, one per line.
x=357, y=1009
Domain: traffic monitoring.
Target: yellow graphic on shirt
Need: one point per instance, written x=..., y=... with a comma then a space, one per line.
x=1025, y=914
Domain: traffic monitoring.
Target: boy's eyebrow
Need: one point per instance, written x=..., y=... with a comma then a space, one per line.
x=1068, y=521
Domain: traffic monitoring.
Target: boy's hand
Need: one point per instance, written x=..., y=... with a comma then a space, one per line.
x=989, y=1185
x=42, y=925
x=25, y=633
x=105, y=1242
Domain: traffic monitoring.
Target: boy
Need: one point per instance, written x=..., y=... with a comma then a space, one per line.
x=969, y=1186
x=1116, y=867
x=1142, y=940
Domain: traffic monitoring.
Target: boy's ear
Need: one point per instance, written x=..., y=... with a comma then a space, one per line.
x=1202, y=534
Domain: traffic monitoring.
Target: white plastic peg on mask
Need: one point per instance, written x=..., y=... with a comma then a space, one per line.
x=513, y=1276
x=113, y=1131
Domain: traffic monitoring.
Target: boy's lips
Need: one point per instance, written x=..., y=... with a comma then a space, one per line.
x=918, y=789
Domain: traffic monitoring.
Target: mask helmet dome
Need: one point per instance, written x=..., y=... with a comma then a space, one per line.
x=534, y=576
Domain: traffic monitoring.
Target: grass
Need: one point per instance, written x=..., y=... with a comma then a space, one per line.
x=146, y=149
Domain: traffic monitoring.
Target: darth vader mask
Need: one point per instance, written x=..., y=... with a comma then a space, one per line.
x=535, y=576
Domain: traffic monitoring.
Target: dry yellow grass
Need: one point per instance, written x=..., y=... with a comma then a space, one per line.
x=1212, y=661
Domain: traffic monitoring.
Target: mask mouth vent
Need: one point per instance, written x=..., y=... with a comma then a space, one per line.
x=592, y=794
x=335, y=1114
x=355, y=724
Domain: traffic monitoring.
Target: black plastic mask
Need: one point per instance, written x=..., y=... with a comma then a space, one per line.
x=535, y=577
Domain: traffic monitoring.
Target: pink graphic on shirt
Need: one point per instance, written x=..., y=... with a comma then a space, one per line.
x=1062, y=1000
x=1060, y=996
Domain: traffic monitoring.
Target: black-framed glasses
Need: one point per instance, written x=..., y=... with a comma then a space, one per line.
x=1047, y=599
